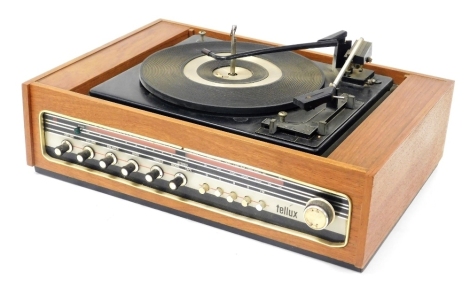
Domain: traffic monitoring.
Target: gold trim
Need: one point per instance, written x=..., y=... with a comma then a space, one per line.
x=189, y=202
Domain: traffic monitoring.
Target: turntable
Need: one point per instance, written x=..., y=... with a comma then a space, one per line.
x=317, y=154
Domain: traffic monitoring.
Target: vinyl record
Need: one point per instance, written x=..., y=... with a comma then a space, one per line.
x=267, y=83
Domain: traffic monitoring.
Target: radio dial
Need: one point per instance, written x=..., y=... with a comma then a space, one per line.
x=318, y=213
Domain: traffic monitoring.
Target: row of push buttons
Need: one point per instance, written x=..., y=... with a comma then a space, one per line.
x=232, y=196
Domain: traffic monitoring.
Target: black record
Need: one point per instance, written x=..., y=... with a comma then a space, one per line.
x=267, y=83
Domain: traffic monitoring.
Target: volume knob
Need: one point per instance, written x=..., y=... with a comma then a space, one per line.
x=132, y=166
x=108, y=160
x=318, y=213
x=85, y=154
x=65, y=146
x=177, y=181
x=155, y=172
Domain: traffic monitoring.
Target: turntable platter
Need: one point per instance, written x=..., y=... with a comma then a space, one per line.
x=267, y=83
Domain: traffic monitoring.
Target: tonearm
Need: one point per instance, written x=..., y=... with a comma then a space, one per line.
x=346, y=59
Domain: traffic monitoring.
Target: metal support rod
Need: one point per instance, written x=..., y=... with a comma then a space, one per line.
x=233, y=51
x=354, y=49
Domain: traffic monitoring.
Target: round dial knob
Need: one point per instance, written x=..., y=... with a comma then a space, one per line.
x=132, y=166
x=86, y=153
x=179, y=180
x=318, y=213
x=108, y=160
x=155, y=172
x=65, y=146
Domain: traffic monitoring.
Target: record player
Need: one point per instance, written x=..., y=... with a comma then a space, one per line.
x=314, y=153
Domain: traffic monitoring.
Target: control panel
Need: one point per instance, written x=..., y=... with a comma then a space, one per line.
x=224, y=186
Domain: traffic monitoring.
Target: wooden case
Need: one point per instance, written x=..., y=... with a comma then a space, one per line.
x=381, y=166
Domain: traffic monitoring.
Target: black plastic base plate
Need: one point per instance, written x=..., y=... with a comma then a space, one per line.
x=126, y=88
x=195, y=218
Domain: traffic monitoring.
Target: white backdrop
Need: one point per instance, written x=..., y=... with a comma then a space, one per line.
x=57, y=234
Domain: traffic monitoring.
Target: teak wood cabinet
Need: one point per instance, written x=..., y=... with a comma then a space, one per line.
x=381, y=165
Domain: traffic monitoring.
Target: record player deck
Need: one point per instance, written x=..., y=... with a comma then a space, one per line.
x=318, y=154
x=244, y=106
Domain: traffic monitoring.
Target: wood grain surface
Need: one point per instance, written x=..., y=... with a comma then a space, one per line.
x=380, y=166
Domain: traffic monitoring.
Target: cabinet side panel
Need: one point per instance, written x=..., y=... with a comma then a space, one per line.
x=399, y=180
x=27, y=125
x=372, y=143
